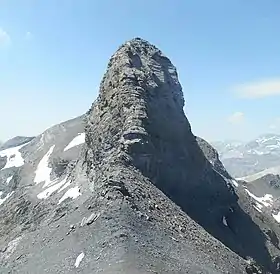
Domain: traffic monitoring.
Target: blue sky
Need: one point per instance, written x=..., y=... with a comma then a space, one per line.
x=54, y=53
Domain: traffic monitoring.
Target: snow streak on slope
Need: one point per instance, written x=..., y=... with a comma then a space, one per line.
x=11, y=248
x=9, y=180
x=14, y=158
x=65, y=186
x=78, y=140
x=277, y=217
x=73, y=193
x=266, y=200
x=258, y=207
x=2, y=200
x=234, y=182
x=225, y=221
x=79, y=259
x=43, y=172
x=49, y=191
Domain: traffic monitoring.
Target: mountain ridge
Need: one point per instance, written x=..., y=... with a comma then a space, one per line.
x=16, y=141
x=132, y=196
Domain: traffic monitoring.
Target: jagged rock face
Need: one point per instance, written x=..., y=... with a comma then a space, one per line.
x=138, y=140
x=138, y=124
x=142, y=98
x=213, y=157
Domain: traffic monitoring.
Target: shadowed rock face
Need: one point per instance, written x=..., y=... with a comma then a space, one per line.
x=142, y=98
x=152, y=196
x=138, y=124
x=213, y=157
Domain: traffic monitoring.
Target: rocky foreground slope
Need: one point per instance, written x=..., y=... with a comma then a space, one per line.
x=142, y=195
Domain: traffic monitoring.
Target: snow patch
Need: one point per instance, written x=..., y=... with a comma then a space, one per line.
x=12, y=245
x=78, y=140
x=225, y=221
x=14, y=158
x=9, y=180
x=266, y=200
x=83, y=222
x=65, y=186
x=79, y=259
x=254, y=151
x=277, y=217
x=49, y=191
x=258, y=207
x=273, y=146
x=73, y=193
x=234, y=182
x=43, y=172
x=2, y=200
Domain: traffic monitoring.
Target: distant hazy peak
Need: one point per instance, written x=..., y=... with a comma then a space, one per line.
x=16, y=141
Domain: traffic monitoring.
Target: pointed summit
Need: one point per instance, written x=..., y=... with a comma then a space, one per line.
x=141, y=64
x=139, y=116
x=140, y=144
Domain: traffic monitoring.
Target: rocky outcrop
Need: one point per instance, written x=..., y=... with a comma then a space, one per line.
x=268, y=189
x=213, y=157
x=267, y=183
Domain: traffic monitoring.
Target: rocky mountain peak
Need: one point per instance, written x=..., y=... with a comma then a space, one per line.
x=133, y=192
x=139, y=63
x=138, y=141
x=139, y=117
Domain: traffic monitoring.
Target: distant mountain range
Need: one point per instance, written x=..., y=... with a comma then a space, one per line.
x=259, y=156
